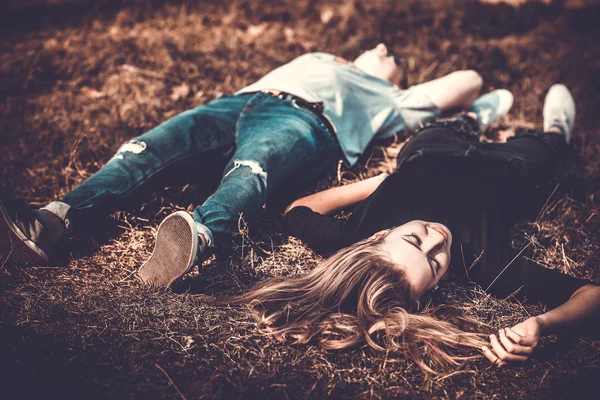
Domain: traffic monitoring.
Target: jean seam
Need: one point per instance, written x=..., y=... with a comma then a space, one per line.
x=306, y=160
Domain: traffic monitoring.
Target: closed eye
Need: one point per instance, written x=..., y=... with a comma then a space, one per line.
x=438, y=265
x=417, y=238
x=417, y=243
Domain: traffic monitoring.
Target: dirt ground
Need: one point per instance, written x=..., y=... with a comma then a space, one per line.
x=78, y=78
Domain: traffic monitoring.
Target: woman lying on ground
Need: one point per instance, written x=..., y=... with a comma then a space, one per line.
x=368, y=293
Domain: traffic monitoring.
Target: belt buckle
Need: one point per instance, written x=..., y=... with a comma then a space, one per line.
x=317, y=106
x=274, y=93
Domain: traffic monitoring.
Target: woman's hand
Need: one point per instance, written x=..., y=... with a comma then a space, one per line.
x=514, y=344
x=574, y=316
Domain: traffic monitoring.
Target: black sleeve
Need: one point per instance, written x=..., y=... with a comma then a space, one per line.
x=321, y=232
x=530, y=281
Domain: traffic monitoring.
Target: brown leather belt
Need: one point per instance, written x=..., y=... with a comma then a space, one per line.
x=316, y=107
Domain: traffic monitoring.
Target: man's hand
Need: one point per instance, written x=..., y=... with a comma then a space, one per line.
x=514, y=344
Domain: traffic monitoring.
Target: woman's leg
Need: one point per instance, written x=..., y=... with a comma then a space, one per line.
x=456, y=136
x=452, y=137
x=534, y=158
x=535, y=155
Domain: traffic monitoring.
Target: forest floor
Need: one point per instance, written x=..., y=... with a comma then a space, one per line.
x=78, y=78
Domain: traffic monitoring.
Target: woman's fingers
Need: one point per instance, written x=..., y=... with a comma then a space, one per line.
x=494, y=359
x=519, y=339
x=510, y=344
x=514, y=336
x=502, y=353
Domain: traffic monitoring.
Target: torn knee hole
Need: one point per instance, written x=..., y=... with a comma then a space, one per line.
x=255, y=168
x=131, y=146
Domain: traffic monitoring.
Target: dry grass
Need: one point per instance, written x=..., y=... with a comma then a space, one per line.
x=80, y=79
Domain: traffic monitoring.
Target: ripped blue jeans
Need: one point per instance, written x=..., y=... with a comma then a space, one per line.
x=254, y=142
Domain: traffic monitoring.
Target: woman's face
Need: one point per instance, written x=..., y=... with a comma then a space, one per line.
x=423, y=250
x=378, y=62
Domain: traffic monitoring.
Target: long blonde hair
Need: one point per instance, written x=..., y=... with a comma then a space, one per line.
x=359, y=296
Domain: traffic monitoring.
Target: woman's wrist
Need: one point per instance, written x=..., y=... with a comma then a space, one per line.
x=541, y=321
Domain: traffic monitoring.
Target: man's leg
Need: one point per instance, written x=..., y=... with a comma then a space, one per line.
x=275, y=140
x=187, y=147
x=201, y=139
x=421, y=103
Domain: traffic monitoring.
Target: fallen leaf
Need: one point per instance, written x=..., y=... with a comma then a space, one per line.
x=289, y=34
x=92, y=93
x=180, y=92
x=256, y=30
x=50, y=43
x=326, y=15
x=188, y=342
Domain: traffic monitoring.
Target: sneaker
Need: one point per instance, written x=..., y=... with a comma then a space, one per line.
x=175, y=252
x=559, y=110
x=24, y=234
x=491, y=107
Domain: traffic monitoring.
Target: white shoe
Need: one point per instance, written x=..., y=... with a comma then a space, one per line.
x=559, y=110
x=491, y=107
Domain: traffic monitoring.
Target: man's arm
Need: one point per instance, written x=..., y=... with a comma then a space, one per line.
x=335, y=199
x=517, y=343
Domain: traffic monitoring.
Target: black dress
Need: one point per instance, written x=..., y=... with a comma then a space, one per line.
x=478, y=190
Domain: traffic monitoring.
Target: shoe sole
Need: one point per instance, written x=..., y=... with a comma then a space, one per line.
x=15, y=247
x=174, y=252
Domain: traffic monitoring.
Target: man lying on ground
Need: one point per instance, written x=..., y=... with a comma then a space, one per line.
x=292, y=125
